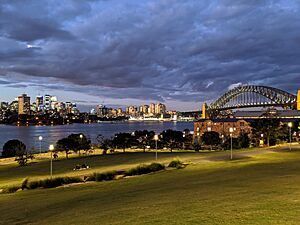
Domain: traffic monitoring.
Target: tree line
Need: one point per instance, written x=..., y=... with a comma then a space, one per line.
x=272, y=131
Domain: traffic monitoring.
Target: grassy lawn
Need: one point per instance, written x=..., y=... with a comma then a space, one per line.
x=258, y=189
x=11, y=173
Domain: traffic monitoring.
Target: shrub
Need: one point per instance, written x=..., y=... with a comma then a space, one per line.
x=24, y=183
x=55, y=182
x=33, y=184
x=103, y=176
x=10, y=189
x=176, y=163
x=144, y=169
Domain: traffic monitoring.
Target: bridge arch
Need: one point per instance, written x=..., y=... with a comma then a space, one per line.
x=253, y=96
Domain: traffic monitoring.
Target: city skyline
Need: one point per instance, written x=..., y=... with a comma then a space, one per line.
x=137, y=52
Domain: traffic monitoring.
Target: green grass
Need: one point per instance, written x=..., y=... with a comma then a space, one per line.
x=258, y=189
x=12, y=174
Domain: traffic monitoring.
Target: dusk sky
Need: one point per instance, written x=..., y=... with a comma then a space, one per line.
x=123, y=52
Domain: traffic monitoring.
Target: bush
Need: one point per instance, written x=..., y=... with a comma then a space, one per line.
x=55, y=182
x=10, y=189
x=24, y=183
x=144, y=169
x=176, y=163
x=102, y=176
x=33, y=184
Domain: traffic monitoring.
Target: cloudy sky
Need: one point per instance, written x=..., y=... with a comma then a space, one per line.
x=181, y=52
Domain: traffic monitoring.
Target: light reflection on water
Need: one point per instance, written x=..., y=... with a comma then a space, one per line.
x=29, y=135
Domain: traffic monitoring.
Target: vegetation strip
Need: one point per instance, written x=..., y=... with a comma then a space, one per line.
x=98, y=177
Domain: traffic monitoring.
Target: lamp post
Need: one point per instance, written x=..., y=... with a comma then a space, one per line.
x=40, y=139
x=156, y=139
x=290, y=125
x=262, y=140
x=183, y=145
x=80, y=136
x=231, y=131
x=51, y=148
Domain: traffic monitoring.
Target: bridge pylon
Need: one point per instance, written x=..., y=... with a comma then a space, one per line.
x=204, y=111
x=298, y=100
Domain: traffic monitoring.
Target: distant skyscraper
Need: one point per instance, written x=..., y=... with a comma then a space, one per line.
x=101, y=110
x=152, y=108
x=39, y=103
x=24, y=104
x=47, y=102
x=53, y=102
x=144, y=109
x=160, y=108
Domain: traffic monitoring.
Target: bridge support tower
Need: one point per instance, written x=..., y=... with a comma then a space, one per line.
x=298, y=100
x=204, y=111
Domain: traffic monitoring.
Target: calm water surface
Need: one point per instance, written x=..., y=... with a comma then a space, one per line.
x=29, y=135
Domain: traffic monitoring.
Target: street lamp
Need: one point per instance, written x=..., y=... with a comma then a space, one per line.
x=290, y=125
x=156, y=139
x=51, y=148
x=183, y=144
x=80, y=136
x=40, y=139
x=231, y=131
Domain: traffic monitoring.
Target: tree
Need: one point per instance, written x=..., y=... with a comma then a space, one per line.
x=143, y=138
x=122, y=140
x=171, y=138
x=104, y=143
x=244, y=140
x=64, y=144
x=272, y=129
x=11, y=148
x=23, y=156
x=74, y=142
x=80, y=142
x=211, y=138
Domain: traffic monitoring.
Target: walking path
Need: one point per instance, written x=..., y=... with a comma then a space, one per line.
x=247, y=154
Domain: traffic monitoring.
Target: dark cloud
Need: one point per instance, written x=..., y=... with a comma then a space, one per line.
x=152, y=50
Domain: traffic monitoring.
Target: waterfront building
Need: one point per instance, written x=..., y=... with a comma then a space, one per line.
x=14, y=105
x=131, y=110
x=47, y=102
x=222, y=126
x=151, y=108
x=24, y=104
x=39, y=103
x=160, y=108
x=53, y=102
x=144, y=109
x=120, y=111
x=4, y=105
x=101, y=110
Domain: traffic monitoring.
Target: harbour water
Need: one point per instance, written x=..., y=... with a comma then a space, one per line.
x=29, y=135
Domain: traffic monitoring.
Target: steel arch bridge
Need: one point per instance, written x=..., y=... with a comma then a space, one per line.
x=253, y=96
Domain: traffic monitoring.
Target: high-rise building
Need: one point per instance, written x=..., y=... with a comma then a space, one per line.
x=160, y=108
x=101, y=110
x=53, y=102
x=144, y=109
x=69, y=107
x=119, y=111
x=24, y=104
x=131, y=110
x=152, y=108
x=47, y=102
x=4, y=105
x=39, y=103
x=14, y=105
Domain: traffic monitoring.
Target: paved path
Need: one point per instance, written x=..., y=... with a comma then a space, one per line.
x=241, y=155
